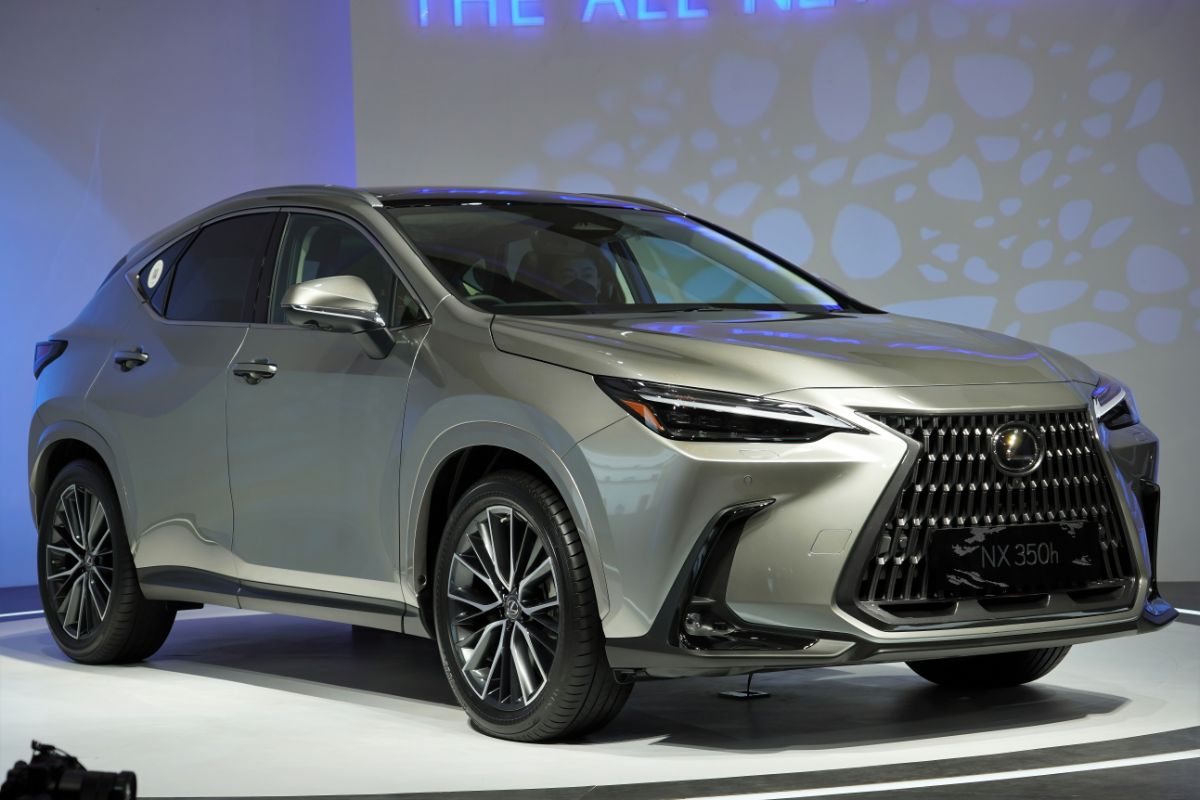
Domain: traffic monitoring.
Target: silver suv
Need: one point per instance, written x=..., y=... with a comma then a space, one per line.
x=578, y=440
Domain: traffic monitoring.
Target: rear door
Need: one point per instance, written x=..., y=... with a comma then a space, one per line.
x=314, y=449
x=163, y=392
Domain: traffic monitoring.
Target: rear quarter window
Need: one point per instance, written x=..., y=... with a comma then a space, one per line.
x=154, y=278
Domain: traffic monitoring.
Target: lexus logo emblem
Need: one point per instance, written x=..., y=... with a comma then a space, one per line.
x=1017, y=448
x=512, y=607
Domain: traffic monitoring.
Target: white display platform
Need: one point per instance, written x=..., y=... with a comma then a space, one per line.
x=255, y=704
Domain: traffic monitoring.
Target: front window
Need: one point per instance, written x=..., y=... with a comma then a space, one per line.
x=531, y=258
x=316, y=246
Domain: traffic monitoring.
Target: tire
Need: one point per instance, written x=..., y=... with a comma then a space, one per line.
x=93, y=628
x=995, y=671
x=553, y=680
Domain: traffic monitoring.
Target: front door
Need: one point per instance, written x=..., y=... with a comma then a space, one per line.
x=314, y=449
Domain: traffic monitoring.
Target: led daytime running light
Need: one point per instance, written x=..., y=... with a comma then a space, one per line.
x=679, y=412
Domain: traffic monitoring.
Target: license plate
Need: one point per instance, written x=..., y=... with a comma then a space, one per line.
x=1013, y=559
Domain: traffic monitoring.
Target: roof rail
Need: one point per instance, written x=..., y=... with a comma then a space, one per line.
x=641, y=201
x=312, y=189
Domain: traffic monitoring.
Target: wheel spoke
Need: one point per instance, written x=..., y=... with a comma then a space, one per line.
x=509, y=682
x=98, y=533
x=78, y=526
x=64, y=508
x=481, y=574
x=512, y=548
x=66, y=551
x=481, y=607
x=65, y=573
x=504, y=657
x=541, y=639
x=103, y=584
x=533, y=611
x=527, y=552
x=488, y=557
x=531, y=649
x=523, y=655
x=95, y=519
x=98, y=549
x=81, y=605
x=497, y=539
x=83, y=502
x=80, y=593
x=497, y=661
x=487, y=642
x=537, y=573
x=550, y=625
x=70, y=595
x=100, y=607
x=61, y=593
x=62, y=536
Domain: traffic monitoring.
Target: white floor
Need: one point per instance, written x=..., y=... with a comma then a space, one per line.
x=245, y=704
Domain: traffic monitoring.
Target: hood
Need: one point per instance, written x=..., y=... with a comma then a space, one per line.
x=766, y=352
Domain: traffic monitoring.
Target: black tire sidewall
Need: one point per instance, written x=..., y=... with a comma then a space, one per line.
x=503, y=490
x=991, y=671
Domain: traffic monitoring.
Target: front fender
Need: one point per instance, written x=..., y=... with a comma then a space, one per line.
x=509, y=437
x=466, y=393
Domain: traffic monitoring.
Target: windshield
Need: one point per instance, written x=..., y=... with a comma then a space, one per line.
x=531, y=258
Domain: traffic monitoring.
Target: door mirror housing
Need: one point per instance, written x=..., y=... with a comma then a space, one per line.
x=340, y=304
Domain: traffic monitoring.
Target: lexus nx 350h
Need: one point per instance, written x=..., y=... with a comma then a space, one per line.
x=579, y=441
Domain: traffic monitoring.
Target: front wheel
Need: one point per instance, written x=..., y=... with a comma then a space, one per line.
x=94, y=607
x=516, y=617
x=994, y=671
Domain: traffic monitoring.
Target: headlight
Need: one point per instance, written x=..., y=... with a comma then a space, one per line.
x=1114, y=404
x=678, y=412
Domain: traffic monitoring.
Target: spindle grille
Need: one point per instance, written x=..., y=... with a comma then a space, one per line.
x=955, y=484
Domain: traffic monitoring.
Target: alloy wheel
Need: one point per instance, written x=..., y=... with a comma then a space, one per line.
x=504, y=608
x=79, y=562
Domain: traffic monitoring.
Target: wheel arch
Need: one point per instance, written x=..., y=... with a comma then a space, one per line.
x=459, y=458
x=59, y=445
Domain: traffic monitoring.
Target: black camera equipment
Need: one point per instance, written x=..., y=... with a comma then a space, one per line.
x=54, y=775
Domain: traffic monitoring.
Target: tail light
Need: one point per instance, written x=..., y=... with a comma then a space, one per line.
x=45, y=352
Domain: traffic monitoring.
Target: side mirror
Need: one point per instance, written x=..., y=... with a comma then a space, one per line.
x=341, y=304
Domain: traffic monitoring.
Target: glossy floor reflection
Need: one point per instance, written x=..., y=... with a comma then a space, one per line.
x=244, y=704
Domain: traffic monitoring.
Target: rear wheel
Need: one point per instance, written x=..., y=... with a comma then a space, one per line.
x=994, y=671
x=516, y=617
x=94, y=607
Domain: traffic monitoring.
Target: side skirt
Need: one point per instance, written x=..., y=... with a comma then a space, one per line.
x=181, y=584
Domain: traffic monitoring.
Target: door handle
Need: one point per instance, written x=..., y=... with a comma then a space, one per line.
x=128, y=359
x=255, y=372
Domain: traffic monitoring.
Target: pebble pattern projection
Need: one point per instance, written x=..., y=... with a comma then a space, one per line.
x=962, y=166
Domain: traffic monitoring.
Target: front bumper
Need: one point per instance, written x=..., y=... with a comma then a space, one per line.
x=698, y=633
x=650, y=658
x=723, y=558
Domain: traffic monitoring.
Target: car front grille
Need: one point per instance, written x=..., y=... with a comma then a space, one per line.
x=955, y=484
